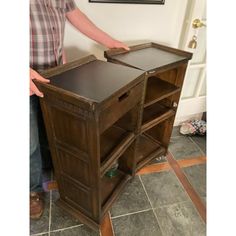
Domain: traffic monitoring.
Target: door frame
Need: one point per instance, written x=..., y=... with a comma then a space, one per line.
x=192, y=107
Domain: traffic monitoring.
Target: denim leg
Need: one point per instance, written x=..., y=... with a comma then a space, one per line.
x=35, y=155
x=43, y=141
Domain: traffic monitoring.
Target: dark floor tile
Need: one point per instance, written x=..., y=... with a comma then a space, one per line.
x=59, y=218
x=183, y=148
x=41, y=225
x=163, y=188
x=201, y=142
x=140, y=224
x=197, y=177
x=132, y=199
x=180, y=219
x=77, y=231
x=55, y=195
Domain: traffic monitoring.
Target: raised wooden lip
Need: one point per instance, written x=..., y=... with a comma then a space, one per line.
x=62, y=68
x=68, y=66
x=113, y=52
x=71, y=65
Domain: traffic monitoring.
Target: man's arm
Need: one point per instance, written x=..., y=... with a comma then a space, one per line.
x=78, y=19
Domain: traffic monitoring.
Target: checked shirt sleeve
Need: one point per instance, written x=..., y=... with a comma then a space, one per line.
x=70, y=5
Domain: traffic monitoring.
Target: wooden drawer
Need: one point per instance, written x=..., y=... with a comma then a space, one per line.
x=119, y=105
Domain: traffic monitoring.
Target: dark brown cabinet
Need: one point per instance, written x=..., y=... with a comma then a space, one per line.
x=83, y=108
x=98, y=114
x=164, y=69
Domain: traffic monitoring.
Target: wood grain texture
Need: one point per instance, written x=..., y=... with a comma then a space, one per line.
x=192, y=161
x=154, y=168
x=106, y=226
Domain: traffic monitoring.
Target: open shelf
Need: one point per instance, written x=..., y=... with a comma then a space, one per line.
x=111, y=186
x=157, y=90
x=155, y=114
x=114, y=141
x=148, y=149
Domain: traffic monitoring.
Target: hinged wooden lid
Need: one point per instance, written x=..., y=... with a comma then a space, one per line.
x=93, y=80
x=149, y=56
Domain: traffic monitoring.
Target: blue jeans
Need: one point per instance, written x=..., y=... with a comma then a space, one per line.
x=40, y=157
x=35, y=154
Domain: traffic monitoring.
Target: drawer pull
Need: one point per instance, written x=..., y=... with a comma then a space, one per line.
x=123, y=96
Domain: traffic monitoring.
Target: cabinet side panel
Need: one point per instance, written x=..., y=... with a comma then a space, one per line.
x=74, y=167
x=76, y=196
x=69, y=129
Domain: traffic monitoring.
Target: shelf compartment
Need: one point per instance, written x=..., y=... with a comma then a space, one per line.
x=154, y=114
x=148, y=149
x=158, y=89
x=113, y=150
x=111, y=187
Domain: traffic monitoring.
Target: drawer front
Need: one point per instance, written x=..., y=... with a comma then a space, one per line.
x=120, y=105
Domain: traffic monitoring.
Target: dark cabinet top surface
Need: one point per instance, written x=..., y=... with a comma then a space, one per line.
x=149, y=56
x=96, y=80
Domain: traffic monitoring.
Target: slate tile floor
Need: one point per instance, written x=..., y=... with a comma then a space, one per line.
x=154, y=204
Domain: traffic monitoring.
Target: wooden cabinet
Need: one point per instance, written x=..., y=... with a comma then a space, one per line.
x=84, y=108
x=98, y=114
x=164, y=69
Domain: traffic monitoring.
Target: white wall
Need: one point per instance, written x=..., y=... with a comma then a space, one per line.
x=130, y=23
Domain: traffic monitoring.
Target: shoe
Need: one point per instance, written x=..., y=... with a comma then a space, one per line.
x=193, y=127
x=36, y=205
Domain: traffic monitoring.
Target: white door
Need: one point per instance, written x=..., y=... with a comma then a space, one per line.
x=193, y=97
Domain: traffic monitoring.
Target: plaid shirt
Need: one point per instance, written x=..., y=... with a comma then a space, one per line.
x=47, y=24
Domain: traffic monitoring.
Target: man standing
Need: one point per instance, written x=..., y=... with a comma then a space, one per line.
x=47, y=24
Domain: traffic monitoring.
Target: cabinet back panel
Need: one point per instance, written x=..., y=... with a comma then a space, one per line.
x=168, y=76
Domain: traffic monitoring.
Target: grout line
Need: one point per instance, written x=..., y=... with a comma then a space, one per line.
x=39, y=234
x=132, y=213
x=151, y=205
x=197, y=146
x=63, y=229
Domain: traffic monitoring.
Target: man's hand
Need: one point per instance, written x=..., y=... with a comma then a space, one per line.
x=33, y=88
x=118, y=44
